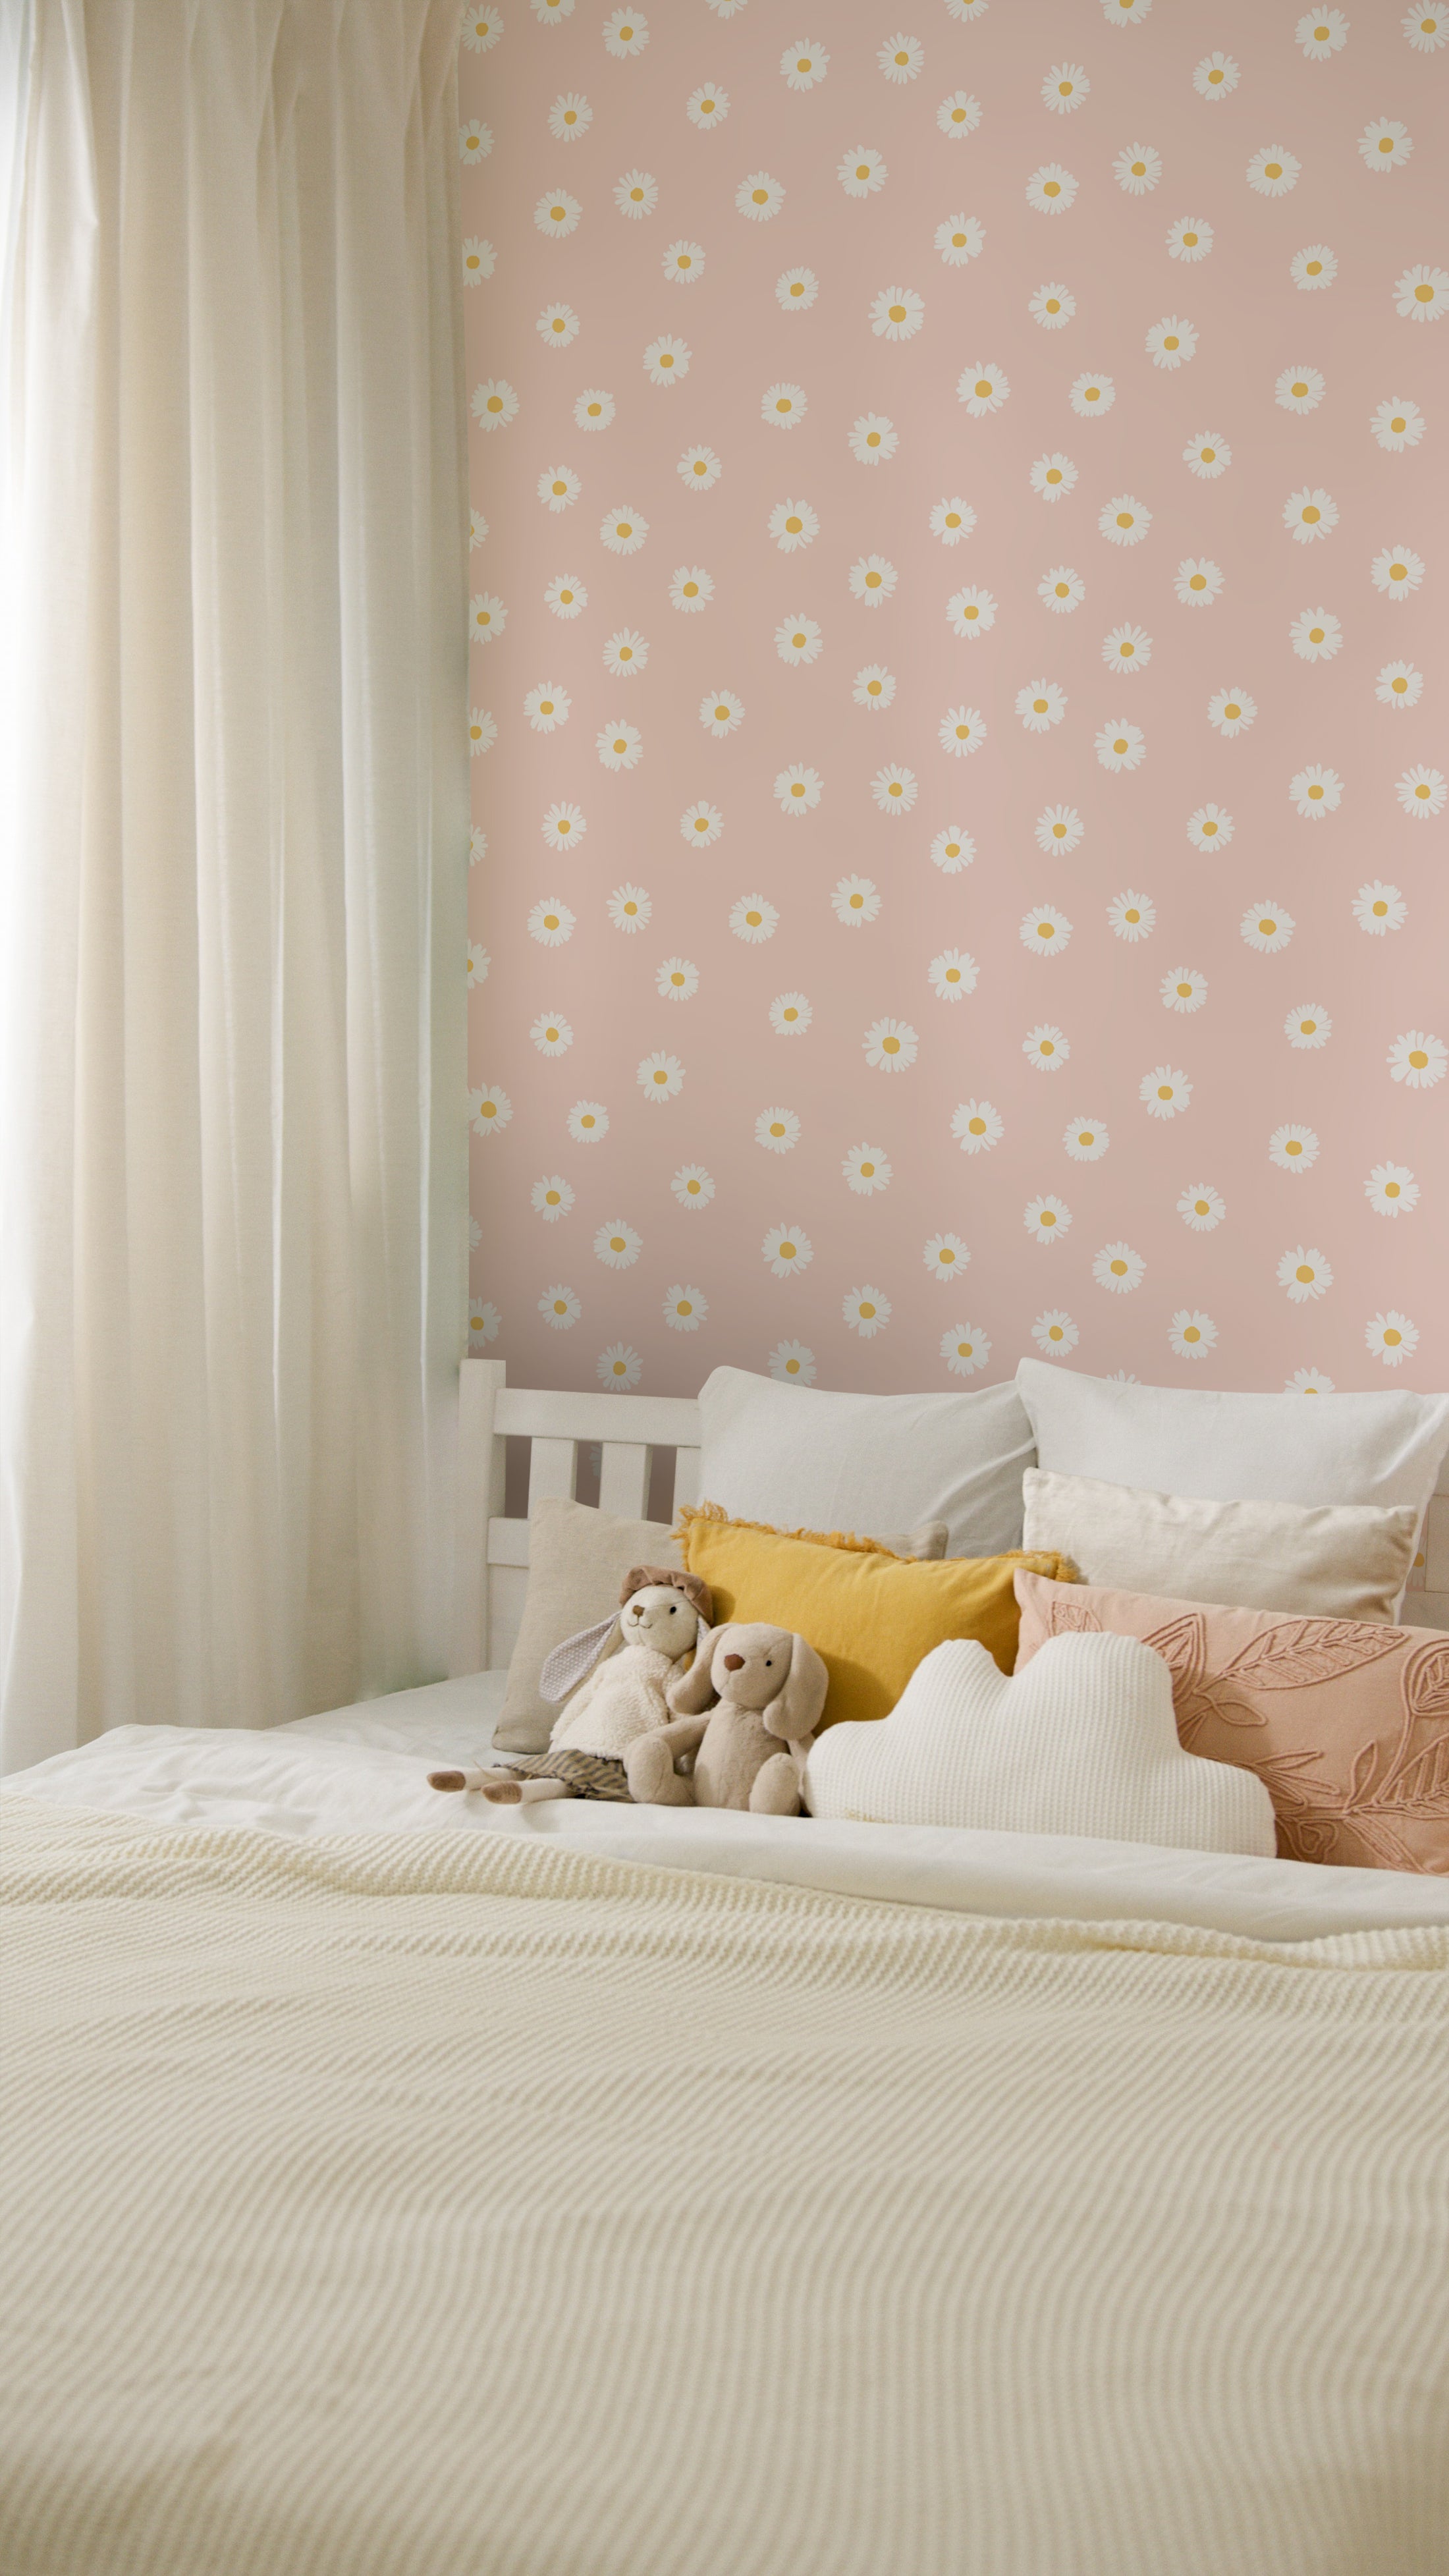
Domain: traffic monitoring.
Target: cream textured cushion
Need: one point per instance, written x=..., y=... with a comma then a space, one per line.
x=1082, y=1742
x=1332, y=1560
x=800, y=1456
x=577, y=1559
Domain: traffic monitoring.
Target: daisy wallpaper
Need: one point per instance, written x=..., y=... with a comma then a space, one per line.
x=958, y=656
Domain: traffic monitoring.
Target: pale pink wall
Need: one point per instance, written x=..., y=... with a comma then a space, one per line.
x=1358, y=343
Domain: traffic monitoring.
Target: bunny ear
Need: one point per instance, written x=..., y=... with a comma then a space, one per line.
x=573, y=1660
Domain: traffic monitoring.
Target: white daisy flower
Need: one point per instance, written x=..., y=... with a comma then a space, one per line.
x=1066, y=86
x=1378, y=908
x=560, y=1307
x=792, y=1363
x=623, y=530
x=494, y=403
x=685, y=1307
x=625, y=652
x=1207, y=455
x=1085, y=1139
x=701, y=825
x=481, y=30
x=1046, y=1218
x=798, y=640
x=559, y=487
x=862, y=173
x=1044, y=932
x=965, y=1349
x=557, y=325
x=1315, y=791
x=959, y=239
x=1191, y=1334
x=1391, y=1337
x=1118, y=1268
x=1426, y=29
x=570, y=116
x=1308, y=1381
x=945, y=1256
x=707, y=106
x=1051, y=189
x=1171, y=342
x=699, y=469
x=954, y=974
x=798, y=790
x=482, y=731
x=619, y=746
x=872, y=578
x=617, y=1245
x=1126, y=13
x=484, y=1320
x=1054, y=1333
x=1053, y=476
x=564, y=826
x=552, y=1197
x=1091, y=396
x=1183, y=989
x=778, y=1130
x=1052, y=306
x=1397, y=571
x=1267, y=927
x=759, y=197
x=1421, y=294
x=796, y=289
x=894, y=789
x=855, y=901
x=1305, y=1272
x=1391, y=1190
x=557, y=215
x=1216, y=76
x=1307, y=1026
x=971, y=612
x=790, y=1015
x=477, y=845
x=782, y=406
x=1046, y=1047
x=793, y=524
x=594, y=409
x=721, y=713
x=1059, y=830
x=866, y=1310
x=1417, y=1060
x=952, y=850
x=1399, y=684
x=677, y=980
x=1137, y=168
x=489, y=1110
x=1124, y=521
x=977, y=1126
x=1127, y=648
x=804, y=66
x=636, y=194
x=873, y=440
x=1385, y=144
x=1316, y=635
x=1231, y=711
x=547, y=707
x=897, y=313
x=626, y=33
x=692, y=1185
x=1165, y=1092
x=1398, y=424
x=1040, y=705
x=890, y=1045
x=1293, y=1149
x=1272, y=172
x=753, y=919
x=477, y=529
x=787, y=1250
x=478, y=963
x=1190, y=238
x=1061, y=590
x=901, y=58
x=475, y=142
x=874, y=686
x=866, y=1170
x=1313, y=267
x=1210, y=827
x=1132, y=916
x=619, y=1368
x=1322, y=33
x=691, y=589
x=1121, y=746
x=550, y=922
x=982, y=387
x=487, y=618
x=1299, y=389
x=660, y=1077
x=630, y=908
x=1198, y=581
x=1201, y=1207
x=479, y=260
x=958, y=115
x=588, y=1122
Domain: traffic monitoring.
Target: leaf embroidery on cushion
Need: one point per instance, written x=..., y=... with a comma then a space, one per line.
x=1297, y=1652
x=1196, y=1696
x=1426, y=1680
x=1072, y=1618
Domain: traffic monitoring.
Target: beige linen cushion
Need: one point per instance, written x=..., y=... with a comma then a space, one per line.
x=577, y=1559
x=1328, y=1561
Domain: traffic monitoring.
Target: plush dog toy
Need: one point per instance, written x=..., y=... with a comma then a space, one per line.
x=661, y=1614
x=769, y=1688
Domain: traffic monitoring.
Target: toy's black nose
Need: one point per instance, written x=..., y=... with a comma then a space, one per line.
x=733, y=1663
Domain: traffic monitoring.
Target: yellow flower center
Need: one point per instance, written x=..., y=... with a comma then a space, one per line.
x=1304, y=1272
x=867, y=1171
x=1192, y=1334
x=867, y=1310
x=1272, y=169
x=872, y=438
x=1172, y=341
x=1139, y=169
x=1054, y=1332
x=1300, y=389
x=890, y=1046
x=983, y=387
x=1048, y=1046
x=1314, y=268
x=1386, y=143
x=564, y=824
x=495, y=402
x=1126, y=649
x=557, y=214
x=1189, y=241
x=560, y=1305
x=1391, y=1189
x=683, y=1307
x=1207, y=455
x=759, y=196
x=1418, y=1059
x=1398, y=572
x=1064, y=89
x=1423, y=295
x=1085, y=1136
x=1214, y=76
x=1306, y=1028
x=1267, y=928
x=1315, y=634
x=625, y=35
x=1038, y=706
x=787, y=1252
x=551, y=1198
x=636, y=196
x=872, y=688
x=1184, y=992
x=659, y=1074
x=902, y=60
x=1315, y=793
x=791, y=1013
x=620, y=1368
x=472, y=260
x=1293, y=1146
x=958, y=241
x=953, y=849
x=1232, y=712
x=588, y=1119
x=1048, y=1216
x=1164, y=1091
x=894, y=788
x=964, y=1350
x=1200, y=1207
x=691, y=590
x=898, y=312
x=1053, y=304
x=1045, y=929
x=594, y=410
x=488, y=1109
x=1118, y=1269
x=793, y=526
x=753, y=919
x=706, y=107
x=1132, y=915
x=862, y=169
x=1054, y=474
x=631, y=909
x=1423, y=791
x=1120, y=744
x=798, y=787
x=1052, y=188
x=1393, y=1337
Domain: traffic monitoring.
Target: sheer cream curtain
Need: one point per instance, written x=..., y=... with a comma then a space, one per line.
x=233, y=836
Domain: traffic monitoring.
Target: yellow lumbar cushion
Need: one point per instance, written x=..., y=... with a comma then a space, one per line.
x=870, y=1615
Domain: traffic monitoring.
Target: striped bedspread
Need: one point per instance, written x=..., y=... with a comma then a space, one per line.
x=470, y=2206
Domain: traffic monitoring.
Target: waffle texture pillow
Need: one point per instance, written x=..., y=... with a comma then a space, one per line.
x=1081, y=1742
x=870, y=1615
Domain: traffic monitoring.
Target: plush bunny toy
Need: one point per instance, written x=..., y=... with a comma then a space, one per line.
x=661, y=1613
x=769, y=1688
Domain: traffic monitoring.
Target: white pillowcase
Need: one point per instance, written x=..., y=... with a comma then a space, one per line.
x=1083, y=1741
x=800, y=1457
x=1238, y=1448
x=1325, y=1560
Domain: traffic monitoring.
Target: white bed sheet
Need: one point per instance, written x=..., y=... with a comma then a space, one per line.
x=364, y=1768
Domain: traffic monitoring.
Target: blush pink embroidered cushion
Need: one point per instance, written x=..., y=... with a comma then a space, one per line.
x=1345, y=1721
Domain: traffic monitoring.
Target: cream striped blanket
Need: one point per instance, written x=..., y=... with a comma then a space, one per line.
x=469, y=2206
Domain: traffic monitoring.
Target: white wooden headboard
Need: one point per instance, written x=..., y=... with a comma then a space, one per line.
x=492, y=1553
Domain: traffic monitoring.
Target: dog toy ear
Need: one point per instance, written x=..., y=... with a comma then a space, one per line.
x=573, y=1661
x=793, y=1713
x=690, y=1696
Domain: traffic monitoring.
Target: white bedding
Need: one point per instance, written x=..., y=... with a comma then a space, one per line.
x=362, y=1769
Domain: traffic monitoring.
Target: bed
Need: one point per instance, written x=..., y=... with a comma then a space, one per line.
x=397, y=2191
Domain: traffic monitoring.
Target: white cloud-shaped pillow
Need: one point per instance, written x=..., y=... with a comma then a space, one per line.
x=1082, y=1741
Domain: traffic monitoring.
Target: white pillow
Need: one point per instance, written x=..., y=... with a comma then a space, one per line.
x=1238, y=1448
x=1326, y=1560
x=800, y=1457
x=1083, y=1741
